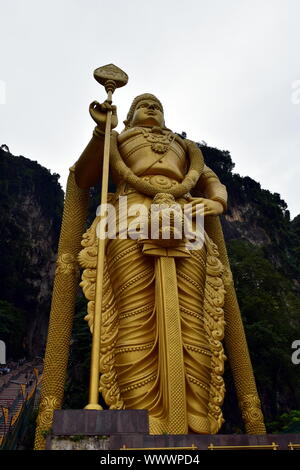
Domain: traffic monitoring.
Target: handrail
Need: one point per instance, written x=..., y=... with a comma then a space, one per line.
x=293, y=446
x=192, y=447
x=272, y=446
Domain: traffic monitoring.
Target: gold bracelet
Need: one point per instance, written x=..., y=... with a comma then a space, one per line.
x=98, y=132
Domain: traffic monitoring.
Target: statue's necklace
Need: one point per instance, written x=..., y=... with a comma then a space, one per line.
x=160, y=142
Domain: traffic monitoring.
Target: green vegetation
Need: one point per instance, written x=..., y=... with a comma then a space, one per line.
x=77, y=383
x=270, y=306
x=286, y=423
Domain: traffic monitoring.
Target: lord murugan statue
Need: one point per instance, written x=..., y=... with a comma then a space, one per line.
x=165, y=308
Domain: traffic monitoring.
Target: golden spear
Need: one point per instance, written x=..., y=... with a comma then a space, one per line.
x=111, y=77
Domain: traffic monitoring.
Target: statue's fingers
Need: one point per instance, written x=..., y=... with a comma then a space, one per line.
x=94, y=105
x=193, y=200
x=106, y=106
x=210, y=212
x=198, y=200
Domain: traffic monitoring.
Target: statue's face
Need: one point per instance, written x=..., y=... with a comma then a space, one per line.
x=148, y=113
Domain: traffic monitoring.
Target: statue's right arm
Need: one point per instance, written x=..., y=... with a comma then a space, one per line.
x=89, y=166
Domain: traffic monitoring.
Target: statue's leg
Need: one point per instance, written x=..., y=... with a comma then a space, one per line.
x=148, y=355
x=201, y=298
x=236, y=343
x=132, y=278
x=197, y=356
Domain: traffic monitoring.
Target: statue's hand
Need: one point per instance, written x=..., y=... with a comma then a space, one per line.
x=99, y=111
x=201, y=205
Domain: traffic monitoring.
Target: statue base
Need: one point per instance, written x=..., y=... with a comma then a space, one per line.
x=129, y=429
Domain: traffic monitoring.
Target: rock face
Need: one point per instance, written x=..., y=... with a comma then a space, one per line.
x=31, y=202
x=256, y=215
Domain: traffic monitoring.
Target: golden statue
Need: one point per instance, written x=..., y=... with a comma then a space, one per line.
x=164, y=303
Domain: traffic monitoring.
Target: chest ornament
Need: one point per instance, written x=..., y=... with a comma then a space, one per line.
x=159, y=142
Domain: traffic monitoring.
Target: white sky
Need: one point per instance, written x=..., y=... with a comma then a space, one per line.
x=223, y=69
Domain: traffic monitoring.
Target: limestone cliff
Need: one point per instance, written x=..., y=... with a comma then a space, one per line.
x=31, y=202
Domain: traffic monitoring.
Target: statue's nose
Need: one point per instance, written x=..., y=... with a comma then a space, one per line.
x=151, y=106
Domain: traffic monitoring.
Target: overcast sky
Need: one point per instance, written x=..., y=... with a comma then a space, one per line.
x=227, y=72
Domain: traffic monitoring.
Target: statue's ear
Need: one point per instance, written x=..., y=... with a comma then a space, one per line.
x=126, y=123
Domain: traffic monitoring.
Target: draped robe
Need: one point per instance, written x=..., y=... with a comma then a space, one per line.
x=162, y=324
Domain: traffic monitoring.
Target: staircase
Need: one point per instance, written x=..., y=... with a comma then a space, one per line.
x=13, y=398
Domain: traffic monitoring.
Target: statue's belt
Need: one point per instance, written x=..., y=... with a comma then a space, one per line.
x=157, y=181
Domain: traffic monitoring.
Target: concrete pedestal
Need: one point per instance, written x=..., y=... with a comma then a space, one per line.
x=119, y=429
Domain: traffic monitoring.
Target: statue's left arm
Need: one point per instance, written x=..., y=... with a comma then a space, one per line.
x=210, y=192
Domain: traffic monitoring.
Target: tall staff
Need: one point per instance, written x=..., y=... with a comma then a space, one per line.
x=111, y=77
